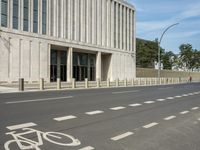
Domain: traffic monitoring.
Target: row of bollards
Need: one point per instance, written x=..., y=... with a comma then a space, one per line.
x=140, y=81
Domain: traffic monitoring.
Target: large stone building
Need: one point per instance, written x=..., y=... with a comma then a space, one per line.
x=66, y=39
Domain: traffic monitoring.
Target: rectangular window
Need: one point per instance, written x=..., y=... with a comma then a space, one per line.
x=44, y=16
x=4, y=13
x=26, y=14
x=35, y=16
x=15, y=13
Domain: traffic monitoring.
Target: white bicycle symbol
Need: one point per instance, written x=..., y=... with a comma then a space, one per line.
x=52, y=137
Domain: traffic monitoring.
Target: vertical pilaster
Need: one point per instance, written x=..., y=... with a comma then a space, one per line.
x=48, y=17
x=121, y=29
x=108, y=23
x=98, y=66
x=131, y=30
x=83, y=23
x=61, y=11
x=94, y=22
x=112, y=23
x=124, y=28
x=127, y=29
x=70, y=19
x=99, y=26
x=40, y=17
x=64, y=18
x=69, y=64
x=104, y=17
x=0, y=13
x=117, y=26
x=54, y=17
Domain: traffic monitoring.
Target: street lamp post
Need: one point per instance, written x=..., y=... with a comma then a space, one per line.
x=159, y=43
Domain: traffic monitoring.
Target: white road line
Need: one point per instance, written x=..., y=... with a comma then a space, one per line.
x=165, y=88
x=150, y=125
x=65, y=118
x=117, y=108
x=87, y=148
x=149, y=102
x=39, y=100
x=94, y=112
x=135, y=105
x=190, y=94
x=195, y=108
x=122, y=136
x=199, y=119
x=20, y=126
x=170, y=98
x=125, y=92
x=184, y=112
x=169, y=118
x=178, y=96
x=160, y=100
x=185, y=95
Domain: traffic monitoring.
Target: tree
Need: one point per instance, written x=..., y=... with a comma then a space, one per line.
x=168, y=60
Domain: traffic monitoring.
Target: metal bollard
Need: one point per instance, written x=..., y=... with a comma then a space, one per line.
x=73, y=83
x=21, y=84
x=108, y=82
x=58, y=84
x=41, y=84
x=98, y=83
x=86, y=83
x=117, y=82
x=125, y=82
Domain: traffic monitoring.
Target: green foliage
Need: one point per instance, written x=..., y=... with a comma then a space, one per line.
x=168, y=60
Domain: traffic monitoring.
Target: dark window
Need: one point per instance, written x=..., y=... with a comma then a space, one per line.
x=26, y=14
x=35, y=16
x=4, y=13
x=44, y=16
x=15, y=13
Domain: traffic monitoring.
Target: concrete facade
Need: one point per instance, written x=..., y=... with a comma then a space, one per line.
x=105, y=28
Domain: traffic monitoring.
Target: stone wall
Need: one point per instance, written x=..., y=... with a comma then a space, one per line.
x=152, y=73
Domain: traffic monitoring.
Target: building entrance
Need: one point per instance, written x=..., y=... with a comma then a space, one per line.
x=84, y=66
x=58, y=67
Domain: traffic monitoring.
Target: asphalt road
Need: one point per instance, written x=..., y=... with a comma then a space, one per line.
x=134, y=118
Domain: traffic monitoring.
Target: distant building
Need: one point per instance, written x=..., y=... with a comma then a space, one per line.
x=66, y=39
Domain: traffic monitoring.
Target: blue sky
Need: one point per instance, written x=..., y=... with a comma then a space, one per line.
x=153, y=16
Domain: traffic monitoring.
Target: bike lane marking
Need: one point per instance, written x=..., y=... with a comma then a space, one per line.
x=20, y=126
x=65, y=118
x=39, y=100
x=87, y=148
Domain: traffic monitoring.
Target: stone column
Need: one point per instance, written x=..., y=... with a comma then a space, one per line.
x=10, y=14
x=131, y=30
x=69, y=64
x=58, y=64
x=98, y=66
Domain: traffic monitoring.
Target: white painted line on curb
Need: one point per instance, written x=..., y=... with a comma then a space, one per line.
x=184, y=112
x=169, y=118
x=94, y=112
x=122, y=92
x=160, y=100
x=150, y=125
x=20, y=126
x=170, y=98
x=122, y=136
x=135, y=105
x=117, y=108
x=39, y=100
x=65, y=118
x=149, y=102
x=87, y=148
x=195, y=108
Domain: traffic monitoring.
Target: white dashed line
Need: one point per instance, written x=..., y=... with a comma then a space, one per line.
x=195, y=108
x=199, y=119
x=150, y=125
x=160, y=100
x=20, y=126
x=117, y=108
x=65, y=118
x=122, y=92
x=170, y=98
x=190, y=94
x=169, y=118
x=135, y=105
x=184, y=112
x=94, y=112
x=39, y=100
x=122, y=136
x=149, y=102
x=178, y=96
x=87, y=148
x=185, y=95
